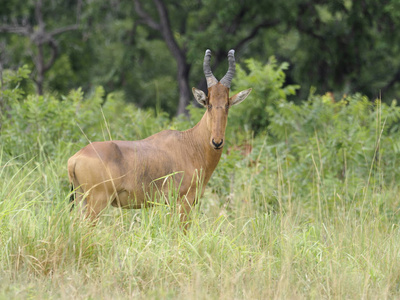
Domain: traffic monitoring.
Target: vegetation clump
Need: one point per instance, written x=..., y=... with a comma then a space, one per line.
x=303, y=204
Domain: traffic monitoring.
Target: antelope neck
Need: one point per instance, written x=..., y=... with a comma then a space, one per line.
x=200, y=140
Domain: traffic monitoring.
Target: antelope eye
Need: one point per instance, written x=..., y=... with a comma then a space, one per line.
x=209, y=106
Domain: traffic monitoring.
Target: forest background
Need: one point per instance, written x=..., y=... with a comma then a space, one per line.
x=305, y=200
x=152, y=51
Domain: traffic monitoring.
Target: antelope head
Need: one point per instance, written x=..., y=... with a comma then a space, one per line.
x=218, y=101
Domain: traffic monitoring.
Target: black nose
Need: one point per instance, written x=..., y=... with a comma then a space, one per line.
x=217, y=145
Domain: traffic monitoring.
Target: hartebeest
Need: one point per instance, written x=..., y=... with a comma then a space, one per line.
x=130, y=174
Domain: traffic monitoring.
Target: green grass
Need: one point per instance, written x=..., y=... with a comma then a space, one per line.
x=269, y=236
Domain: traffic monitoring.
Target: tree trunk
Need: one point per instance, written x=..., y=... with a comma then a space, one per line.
x=40, y=71
x=179, y=53
x=184, y=89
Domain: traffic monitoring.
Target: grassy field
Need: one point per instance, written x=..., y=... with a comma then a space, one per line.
x=311, y=213
x=267, y=237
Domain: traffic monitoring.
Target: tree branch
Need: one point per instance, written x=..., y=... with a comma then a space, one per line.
x=179, y=53
x=39, y=15
x=167, y=32
x=164, y=26
x=23, y=30
x=54, y=54
x=235, y=24
x=63, y=29
x=146, y=17
x=254, y=32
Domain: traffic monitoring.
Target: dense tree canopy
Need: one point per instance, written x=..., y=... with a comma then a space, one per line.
x=152, y=50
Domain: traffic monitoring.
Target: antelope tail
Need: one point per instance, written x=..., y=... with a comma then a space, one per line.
x=72, y=197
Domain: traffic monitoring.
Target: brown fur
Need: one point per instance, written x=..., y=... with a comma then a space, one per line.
x=130, y=174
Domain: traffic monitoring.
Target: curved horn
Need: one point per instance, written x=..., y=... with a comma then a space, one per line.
x=211, y=80
x=226, y=80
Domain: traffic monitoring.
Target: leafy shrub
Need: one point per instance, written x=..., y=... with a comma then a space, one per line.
x=345, y=137
x=267, y=82
x=338, y=146
x=38, y=125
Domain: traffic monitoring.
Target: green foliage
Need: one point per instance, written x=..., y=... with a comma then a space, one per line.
x=339, y=46
x=337, y=146
x=61, y=74
x=348, y=138
x=12, y=91
x=310, y=211
x=267, y=82
x=348, y=149
x=39, y=125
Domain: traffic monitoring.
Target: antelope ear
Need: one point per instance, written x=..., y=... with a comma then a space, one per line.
x=200, y=96
x=239, y=97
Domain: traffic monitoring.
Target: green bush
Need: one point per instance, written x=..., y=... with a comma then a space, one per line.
x=341, y=146
x=267, y=82
x=35, y=125
x=349, y=138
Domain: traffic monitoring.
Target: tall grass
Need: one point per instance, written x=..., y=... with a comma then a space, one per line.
x=288, y=242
